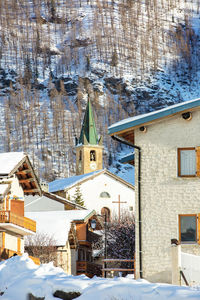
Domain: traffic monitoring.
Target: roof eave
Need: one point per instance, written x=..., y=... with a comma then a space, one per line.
x=147, y=119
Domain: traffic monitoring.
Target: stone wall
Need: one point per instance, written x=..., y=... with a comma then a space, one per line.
x=64, y=258
x=164, y=195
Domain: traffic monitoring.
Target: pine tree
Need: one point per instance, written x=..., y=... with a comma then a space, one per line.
x=78, y=198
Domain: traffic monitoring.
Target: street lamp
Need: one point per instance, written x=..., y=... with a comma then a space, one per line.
x=93, y=223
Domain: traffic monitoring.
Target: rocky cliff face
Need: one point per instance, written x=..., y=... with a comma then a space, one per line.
x=129, y=57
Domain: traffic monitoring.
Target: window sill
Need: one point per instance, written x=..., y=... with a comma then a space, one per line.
x=188, y=243
x=187, y=176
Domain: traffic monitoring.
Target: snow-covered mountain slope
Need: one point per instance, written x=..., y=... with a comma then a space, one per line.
x=127, y=56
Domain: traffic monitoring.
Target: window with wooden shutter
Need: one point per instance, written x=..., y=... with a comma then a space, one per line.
x=189, y=162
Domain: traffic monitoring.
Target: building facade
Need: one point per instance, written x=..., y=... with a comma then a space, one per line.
x=167, y=188
x=17, y=178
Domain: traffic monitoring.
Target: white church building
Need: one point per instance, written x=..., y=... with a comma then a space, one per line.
x=100, y=190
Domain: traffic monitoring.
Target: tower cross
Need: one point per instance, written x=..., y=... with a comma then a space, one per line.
x=119, y=206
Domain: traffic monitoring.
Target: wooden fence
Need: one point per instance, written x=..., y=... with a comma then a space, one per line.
x=105, y=269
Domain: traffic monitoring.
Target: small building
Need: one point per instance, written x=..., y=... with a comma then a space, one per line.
x=17, y=179
x=73, y=235
x=167, y=182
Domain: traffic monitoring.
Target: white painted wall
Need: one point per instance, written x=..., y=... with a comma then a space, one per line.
x=10, y=242
x=164, y=195
x=22, y=245
x=16, y=189
x=92, y=188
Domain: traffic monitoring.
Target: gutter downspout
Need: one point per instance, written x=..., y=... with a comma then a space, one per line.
x=123, y=141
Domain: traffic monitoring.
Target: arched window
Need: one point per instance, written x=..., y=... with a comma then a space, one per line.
x=104, y=195
x=80, y=155
x=105, y=211
x=92, y=155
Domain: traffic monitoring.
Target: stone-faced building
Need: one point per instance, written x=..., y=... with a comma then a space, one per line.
x=167, y=166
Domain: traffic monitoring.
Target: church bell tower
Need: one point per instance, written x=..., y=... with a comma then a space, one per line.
x=89, y=148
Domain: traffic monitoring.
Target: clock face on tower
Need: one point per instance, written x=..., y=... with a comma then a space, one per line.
x=93, y=166
x=79, y=165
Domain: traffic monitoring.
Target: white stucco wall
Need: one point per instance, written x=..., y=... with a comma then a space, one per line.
x=22, y=245
x=164, y=195
x=16, y=189
x=92, y=188
x=10, y=242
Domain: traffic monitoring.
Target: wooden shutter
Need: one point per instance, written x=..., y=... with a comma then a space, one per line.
x=198, y=161
x=198, y=228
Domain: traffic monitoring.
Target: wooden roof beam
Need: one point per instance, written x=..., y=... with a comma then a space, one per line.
x=26, y=180
x=23, y=172
x=31, y=191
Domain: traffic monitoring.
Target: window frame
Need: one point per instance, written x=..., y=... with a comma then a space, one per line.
x=197, y=228
x=107, y=195
x=179, y=161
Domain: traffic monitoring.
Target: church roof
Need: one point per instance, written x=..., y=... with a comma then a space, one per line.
x=66, y=183
x=88, y=132
x=62, y=184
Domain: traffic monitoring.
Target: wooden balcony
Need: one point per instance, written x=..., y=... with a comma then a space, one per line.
x=88, y=268
x=18, y=224
x=92, y=236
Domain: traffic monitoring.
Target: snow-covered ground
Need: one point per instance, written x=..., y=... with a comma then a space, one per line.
x=19, y=276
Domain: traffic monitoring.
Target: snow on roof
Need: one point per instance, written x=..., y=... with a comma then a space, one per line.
x=144, y=118
x=3, y=188
x=62, y=184
x=9, y=160
x=128, y=157
x=57, y=224
x=126, y=172
x=19, y=276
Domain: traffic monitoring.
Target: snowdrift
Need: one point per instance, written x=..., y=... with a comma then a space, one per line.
x=19, y=276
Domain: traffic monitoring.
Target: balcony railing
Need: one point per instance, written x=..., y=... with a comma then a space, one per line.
x=88, y=268
x=92, y=236
x=7, y=216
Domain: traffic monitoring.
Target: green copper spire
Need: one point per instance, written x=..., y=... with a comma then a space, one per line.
x=88, y=132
